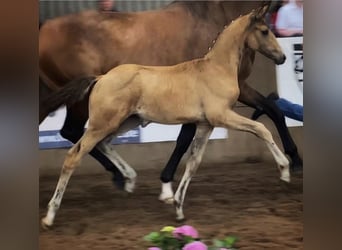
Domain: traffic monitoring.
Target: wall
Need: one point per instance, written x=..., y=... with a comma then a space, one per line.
x=51, y=9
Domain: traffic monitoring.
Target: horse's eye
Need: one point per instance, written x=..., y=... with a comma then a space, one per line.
x=264, y=32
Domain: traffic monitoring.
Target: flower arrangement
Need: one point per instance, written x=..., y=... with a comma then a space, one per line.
x=185, y=238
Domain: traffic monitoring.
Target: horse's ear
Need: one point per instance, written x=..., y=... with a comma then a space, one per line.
x=268, y=3
x=254, y=16
x=260, y=13
x=266, y=8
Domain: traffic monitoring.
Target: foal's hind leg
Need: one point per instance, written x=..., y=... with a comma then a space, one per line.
x=183, y=142
x=232, y=120
x=251, y=97
x=128, y=172
x=72, y=160
x=73, y=129
x=197, y=150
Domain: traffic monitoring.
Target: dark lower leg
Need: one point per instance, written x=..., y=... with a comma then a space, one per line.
x=44, y=91
x=254, y=99
x=184, y=140
x=273, y=112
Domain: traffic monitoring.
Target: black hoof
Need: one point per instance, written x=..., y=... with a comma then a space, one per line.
x=296, y=164
x=119, y=182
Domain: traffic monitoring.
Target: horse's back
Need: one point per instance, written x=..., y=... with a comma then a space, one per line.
x=92, y=42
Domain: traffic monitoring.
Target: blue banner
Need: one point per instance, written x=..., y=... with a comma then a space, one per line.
x=52, y=139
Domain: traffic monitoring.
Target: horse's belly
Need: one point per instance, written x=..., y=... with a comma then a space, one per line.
x=171, y=114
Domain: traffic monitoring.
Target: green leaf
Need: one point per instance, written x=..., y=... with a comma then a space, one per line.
x=218, y=243
x=188, y=239
x=152, y=237
x=212, y=248
x=229, y=241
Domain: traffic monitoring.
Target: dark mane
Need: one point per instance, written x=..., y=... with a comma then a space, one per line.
x=196, y=8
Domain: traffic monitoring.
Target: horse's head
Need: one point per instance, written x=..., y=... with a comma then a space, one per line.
x=260, y=37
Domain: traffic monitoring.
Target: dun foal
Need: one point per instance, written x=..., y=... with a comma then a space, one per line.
x=201, y=91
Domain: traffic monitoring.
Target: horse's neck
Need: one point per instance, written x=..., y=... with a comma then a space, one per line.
x=202, y=21
x=233, y=9
x=210, y=12
x=229, y=47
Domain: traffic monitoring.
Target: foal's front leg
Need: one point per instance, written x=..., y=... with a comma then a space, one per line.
x=253, y=98
x=232, y=120
x=197, y=150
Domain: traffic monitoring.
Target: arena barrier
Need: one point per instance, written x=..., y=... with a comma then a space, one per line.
x=289, y=76
x=49, y=136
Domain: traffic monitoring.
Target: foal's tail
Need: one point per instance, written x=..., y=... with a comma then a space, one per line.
x=74, y=91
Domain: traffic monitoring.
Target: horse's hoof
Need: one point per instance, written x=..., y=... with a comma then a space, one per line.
x=119, y=182
x=296, y=164
x=168, y=200
x=130, y=185
x=285, y=174
x=180, y=219
x=296, y=168
x=286, y=179
x=46, y=224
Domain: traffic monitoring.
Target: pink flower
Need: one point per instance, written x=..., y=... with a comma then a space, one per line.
x=185, y=230
x=195, y=245
x=154, y=248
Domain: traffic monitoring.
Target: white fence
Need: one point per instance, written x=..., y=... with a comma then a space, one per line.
x=290, y=74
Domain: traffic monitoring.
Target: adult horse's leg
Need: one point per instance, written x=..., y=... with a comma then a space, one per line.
x=184, y=140
x=73, y=129
x=44, y=91
x=197, y=150
x=251, y=97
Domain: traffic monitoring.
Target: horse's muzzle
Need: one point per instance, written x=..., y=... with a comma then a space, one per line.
x=280, y=60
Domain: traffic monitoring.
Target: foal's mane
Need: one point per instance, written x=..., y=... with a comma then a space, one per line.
x=220, y=33
x=263, y=3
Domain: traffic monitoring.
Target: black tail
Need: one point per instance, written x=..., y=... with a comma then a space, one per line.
x=73, y=92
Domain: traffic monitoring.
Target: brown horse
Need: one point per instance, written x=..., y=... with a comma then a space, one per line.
x=201, y=91
x=91, y=43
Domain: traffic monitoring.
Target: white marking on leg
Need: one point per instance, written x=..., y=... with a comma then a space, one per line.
x=105, y=147
x=127, y=171
x=197, y=150
x=56, y=199
x=166, y=193
x=72, y=160
x=282, y=161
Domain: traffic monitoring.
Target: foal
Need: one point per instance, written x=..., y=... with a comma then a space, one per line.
x=201, y=91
